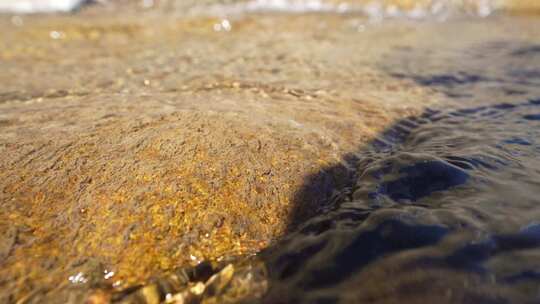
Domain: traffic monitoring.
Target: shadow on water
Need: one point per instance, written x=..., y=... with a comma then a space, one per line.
x=440, y=207
x=419, y=209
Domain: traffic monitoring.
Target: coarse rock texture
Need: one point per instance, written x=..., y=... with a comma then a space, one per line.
x=137, y=144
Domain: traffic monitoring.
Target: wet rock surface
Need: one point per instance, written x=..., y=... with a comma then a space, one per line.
x=131, y=147
x=148, y=158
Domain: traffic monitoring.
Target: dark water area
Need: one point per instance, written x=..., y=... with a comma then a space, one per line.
x=441, y=207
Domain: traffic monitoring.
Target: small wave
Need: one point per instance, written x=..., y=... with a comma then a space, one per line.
x=439, y=9
x=374, y=9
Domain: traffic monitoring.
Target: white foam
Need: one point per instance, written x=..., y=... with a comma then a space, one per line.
x=376, y=10
x=38, y=6
x=287, y=5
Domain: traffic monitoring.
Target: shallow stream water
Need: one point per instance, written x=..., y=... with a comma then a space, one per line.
x=441, y=206
x=444, y=205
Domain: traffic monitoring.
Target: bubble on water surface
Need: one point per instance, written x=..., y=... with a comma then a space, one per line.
x=78, y=278
x=57, y=35
x=223, y=25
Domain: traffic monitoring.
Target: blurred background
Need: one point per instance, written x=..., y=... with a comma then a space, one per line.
x=388, y=7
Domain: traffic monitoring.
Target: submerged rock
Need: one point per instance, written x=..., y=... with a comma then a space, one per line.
x=149, y=147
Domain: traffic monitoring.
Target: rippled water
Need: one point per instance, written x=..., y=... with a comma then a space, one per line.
x=440, y=207
x=445, y=205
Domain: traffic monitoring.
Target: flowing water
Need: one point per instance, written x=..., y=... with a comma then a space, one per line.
x=444, y=205
x=439, y=206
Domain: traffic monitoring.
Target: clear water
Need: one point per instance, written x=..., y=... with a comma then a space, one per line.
x=440, y=207
x=443, y=206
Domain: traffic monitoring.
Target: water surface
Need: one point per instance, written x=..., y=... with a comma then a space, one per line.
x=346, y=154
